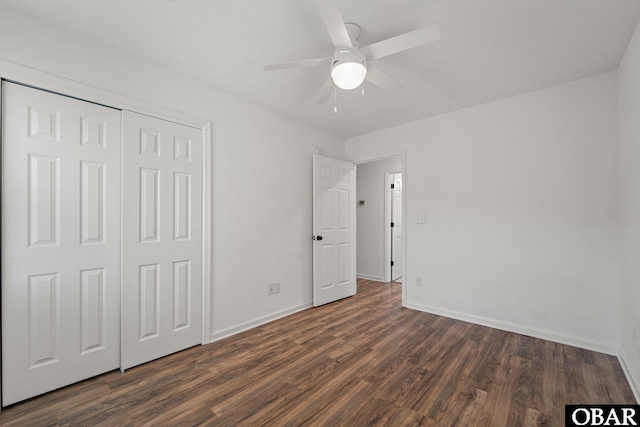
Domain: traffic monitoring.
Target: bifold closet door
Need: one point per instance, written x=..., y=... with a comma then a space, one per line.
x=60, y=241
x=162, y=238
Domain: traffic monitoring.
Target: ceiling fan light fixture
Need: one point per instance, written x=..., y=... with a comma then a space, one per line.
x=348, y=69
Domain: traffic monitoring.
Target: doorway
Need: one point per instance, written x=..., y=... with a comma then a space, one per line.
x=375, y=243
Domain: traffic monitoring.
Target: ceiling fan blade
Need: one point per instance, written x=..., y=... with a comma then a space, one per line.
x=326, y=91
x=334, y=23
x=381, y=80
x=296, y=64
x=402, y=42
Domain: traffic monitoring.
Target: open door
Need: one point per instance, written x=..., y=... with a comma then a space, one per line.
x=334, y=229
x=396, y=227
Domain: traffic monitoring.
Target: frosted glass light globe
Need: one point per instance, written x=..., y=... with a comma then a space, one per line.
x=348, y=75
x=348, y=68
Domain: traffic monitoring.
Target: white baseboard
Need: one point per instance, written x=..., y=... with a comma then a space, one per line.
x=518, y=329
x=227, y=332
x=368, y=277
x=627, y=373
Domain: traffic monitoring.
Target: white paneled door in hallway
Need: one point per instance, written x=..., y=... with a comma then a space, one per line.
x=162, y=238
x=397, y=247
x=334, y=229
x=60, y=241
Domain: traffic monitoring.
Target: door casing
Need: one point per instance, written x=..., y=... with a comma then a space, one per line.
x=387, y=239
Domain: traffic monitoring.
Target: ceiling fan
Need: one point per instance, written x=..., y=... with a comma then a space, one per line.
x=350, y=63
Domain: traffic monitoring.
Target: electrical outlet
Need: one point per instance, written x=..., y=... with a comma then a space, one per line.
x=274, y=288
x=418, y=280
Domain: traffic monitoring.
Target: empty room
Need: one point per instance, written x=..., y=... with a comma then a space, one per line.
x=320, y=212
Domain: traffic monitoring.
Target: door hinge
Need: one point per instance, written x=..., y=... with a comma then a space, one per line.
x=392, y=225
x=391, y=263
x=393, y=186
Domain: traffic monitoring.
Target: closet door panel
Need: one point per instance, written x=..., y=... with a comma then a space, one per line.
x=60, y=241
x=162, y=246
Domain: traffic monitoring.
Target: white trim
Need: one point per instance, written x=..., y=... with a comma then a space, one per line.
x=635, y=387
x=377, y=157
x=51, y=82
x=518, y=329
x=384, y=156
x=121, y=233
x=207, y=231
x=225, y=333
x=1, y=179
x=374, y=278
x=40, y=79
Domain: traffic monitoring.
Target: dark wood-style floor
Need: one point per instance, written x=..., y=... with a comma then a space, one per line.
x=360, y=361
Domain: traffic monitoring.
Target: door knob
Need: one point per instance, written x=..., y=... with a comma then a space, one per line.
x=318, y=237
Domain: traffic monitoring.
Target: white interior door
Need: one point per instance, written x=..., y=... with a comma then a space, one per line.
x=60, y=241
x=162, y=238
x=397, y=252
x=334, y=229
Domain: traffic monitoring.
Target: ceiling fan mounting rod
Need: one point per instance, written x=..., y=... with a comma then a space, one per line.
x=354, y=32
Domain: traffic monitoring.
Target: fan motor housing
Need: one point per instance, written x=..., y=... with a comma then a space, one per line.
x=343, y=55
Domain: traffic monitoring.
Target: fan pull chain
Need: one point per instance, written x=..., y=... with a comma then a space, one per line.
x=335, y=99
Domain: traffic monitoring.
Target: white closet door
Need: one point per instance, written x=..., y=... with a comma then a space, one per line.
x=60, y=241
x=162, y=238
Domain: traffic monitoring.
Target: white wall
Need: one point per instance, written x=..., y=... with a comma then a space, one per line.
x=520, y=195
x=629, y=158
x=370, y=217
x=261, y=169
x=521, y=201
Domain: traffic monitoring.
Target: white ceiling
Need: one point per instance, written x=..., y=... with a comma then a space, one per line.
x=489, y=48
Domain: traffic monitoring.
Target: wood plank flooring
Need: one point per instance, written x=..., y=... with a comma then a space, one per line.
x=361, y=361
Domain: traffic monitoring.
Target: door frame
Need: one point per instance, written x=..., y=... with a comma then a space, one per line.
x=387, y=220
x=42, y=80
x=385, y=156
